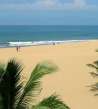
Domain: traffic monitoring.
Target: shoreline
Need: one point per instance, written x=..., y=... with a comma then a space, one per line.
x=39, y=43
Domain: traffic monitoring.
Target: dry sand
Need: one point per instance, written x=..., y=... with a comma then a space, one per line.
x=73, y=77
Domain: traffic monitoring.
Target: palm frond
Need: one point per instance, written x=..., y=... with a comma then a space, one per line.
x=94, y=74
x=52, y=102
x=1, y=77
x=96, y=50
x=9, y=86
x=94, y=87
x=33, y=85
x=1, y=71
x=95, y=67
x=92, y=66
x=96, y=63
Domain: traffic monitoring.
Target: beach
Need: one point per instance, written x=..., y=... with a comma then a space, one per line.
x=72, y=79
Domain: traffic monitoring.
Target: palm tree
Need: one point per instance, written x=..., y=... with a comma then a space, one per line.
x=15, y=95
x=94, y=73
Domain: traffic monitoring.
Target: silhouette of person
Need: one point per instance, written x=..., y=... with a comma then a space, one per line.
x=17, y=48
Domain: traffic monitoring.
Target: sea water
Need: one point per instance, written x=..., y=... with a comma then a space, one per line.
x=45, y=33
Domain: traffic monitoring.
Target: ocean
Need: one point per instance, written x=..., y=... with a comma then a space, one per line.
x=46, y=33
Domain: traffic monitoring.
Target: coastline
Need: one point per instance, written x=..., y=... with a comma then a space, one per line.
x=73, y=77
x=38, y=43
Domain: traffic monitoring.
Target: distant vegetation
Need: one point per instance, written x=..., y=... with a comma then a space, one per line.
x=15, y=95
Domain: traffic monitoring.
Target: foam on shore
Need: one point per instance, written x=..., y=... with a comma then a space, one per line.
x=35, y=43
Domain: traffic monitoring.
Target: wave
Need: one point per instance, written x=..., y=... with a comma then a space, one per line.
x=35, y=43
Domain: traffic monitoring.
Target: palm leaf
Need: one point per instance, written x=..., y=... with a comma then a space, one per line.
x=1, y=76
x=1, y=71
x=94, y=87
x=9, y=86
x=95, y=67
x=33, y=85
x=96, y=63
x=52, y=102
x=92, y=66
x=94, y=74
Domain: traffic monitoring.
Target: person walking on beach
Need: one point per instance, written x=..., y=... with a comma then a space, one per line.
x=17, y=49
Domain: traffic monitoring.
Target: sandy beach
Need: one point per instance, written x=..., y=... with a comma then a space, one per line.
x=72, y=80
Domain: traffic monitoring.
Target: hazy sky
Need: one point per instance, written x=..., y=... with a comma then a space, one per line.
x=49, y=12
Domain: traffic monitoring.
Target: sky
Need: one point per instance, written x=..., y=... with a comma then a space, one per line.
x=48, y=12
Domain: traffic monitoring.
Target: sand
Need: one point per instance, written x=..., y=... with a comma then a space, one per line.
x=72, y=80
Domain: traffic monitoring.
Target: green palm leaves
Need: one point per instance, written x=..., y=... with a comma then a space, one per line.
x=9, y=84
x=14, y=95
x=52, y=102
x=94, y=73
